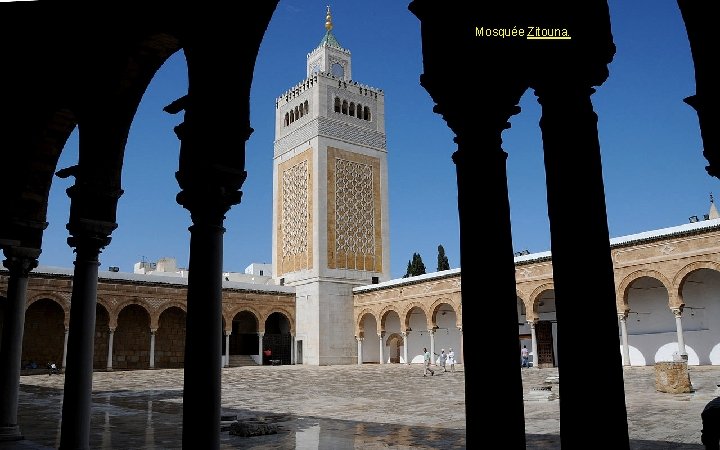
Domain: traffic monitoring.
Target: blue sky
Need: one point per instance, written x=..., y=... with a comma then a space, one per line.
x=653, y=166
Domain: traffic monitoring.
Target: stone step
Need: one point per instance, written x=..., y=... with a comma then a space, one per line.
x=241, y=360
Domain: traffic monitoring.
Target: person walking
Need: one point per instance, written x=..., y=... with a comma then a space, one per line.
x=451, y=360
x=443, y=360
x=426, y=358
x=525, y=356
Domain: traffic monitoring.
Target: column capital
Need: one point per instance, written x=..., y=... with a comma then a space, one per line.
x=677, y=312
x=20, y=260
x=359, y=339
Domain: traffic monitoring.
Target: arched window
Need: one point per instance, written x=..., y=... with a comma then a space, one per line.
x=359, y=111
x=366, y=114
x=302, y=111
x=292, y=116
x=305, y=106
x=352, y=109
x=337, y=104
x=287, y=119
x=297, y=114
x=344, y=107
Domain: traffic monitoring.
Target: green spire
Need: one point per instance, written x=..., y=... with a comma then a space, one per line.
x=329, y=39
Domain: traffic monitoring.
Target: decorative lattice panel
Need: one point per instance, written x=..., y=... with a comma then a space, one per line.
x=295, y=210
x=354, y=209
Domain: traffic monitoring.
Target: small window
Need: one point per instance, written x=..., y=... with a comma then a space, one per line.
x=337, y=104
x=366, y=113
x=287, y=119
x=292, y=116
x=344, y=106
x=359, y=111
x=305, y=106
x=338, y=70
x=352, y=109
x=261, y=273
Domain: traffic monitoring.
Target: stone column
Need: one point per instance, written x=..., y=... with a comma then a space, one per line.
x=152, y=349
x=64, y=358
x=359, y=350
x=573, y=165
x=623, y=332
x=533, y=343
x=227, y=348
x=111, y=334
x=260, y=347
x=382, y=353
x=432, y=347
x=677, y=312
x=405, y=335
x=19, y=263
x=88, y=237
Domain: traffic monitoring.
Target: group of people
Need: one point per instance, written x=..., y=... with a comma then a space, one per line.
x=444, y=360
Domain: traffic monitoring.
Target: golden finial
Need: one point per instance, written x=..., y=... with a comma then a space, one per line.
x=328, y=20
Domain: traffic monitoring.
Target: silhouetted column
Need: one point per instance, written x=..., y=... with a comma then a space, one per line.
x=77, y=396
x=359, y=350
x=677, y=312
x=533, y=343
x=64, y=358
x=19, y=262
x=406, y=336
x=573, y=172
x=152, y=349
x=623, y=332
x=380, y=341
x=227, y=348
x=111, y=334
x=203, y=346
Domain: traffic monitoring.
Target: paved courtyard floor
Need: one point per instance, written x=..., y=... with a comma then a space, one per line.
x=342, y=407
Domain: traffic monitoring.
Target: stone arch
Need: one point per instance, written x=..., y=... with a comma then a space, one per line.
x=435, y=307
x=230, y=315
x=108, y=309
x=289, y=317
x=624, y=286
x=682, y=275
x=115, y=313
x=524, y=303
x=359, y=331
x=65, y=305
x=383, y=315
x=405, y=317
x=534, y=298
x=155, y=316
x=394, y=341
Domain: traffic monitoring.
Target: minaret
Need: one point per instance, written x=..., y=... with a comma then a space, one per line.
x=330, y=199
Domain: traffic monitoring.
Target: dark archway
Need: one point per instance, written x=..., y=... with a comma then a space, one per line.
x=170, y=339
x=244, y=337
x=102, y=338
x=278, y=338
x=44, y=336
x=131, y=344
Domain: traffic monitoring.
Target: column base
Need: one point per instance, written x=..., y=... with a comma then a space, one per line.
x=10, y=433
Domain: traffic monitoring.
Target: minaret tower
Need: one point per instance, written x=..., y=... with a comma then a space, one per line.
x=330, y=199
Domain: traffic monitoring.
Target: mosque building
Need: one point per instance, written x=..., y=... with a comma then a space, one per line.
x=327, y=297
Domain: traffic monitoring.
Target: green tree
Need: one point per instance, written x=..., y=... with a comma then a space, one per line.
x=415, y=266
x=443, y=263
